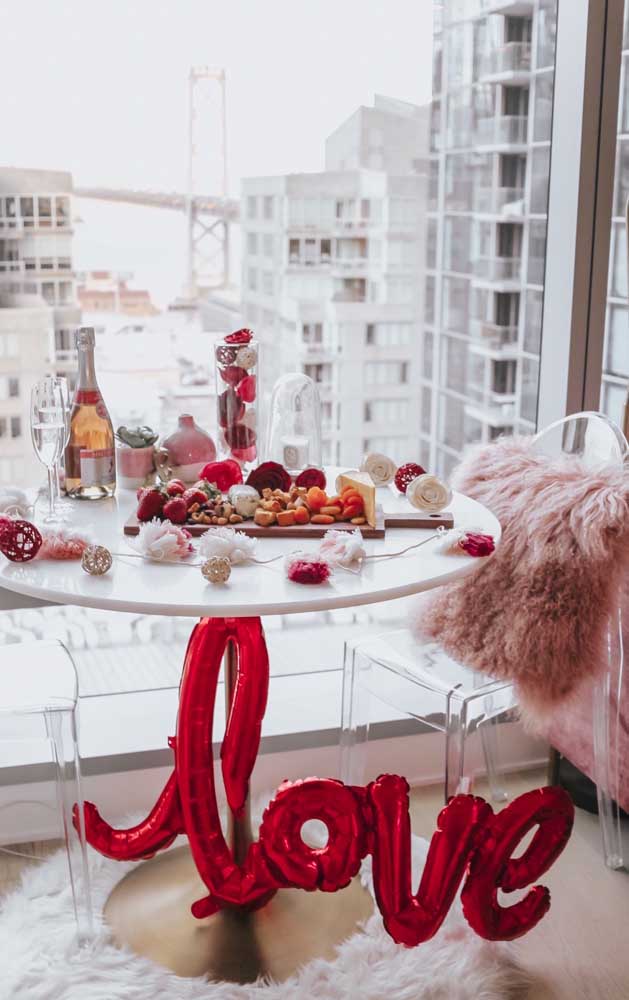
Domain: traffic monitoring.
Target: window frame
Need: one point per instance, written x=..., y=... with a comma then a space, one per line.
x=584, y=131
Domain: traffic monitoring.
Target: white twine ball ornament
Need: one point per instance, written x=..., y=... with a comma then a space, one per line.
x=217, y=569
x=96, y=560
x=428, y=493
x=247, y=357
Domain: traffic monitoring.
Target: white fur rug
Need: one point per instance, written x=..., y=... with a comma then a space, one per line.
x=40, y=962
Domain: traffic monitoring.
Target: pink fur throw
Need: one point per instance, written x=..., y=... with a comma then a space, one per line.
x=536, y=611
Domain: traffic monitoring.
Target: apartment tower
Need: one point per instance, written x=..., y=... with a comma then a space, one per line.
x=490, y=133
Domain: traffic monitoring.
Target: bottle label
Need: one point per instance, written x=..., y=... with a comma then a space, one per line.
x=98, y=466
x=91, y=397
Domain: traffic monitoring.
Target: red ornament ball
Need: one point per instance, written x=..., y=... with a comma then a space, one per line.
x=239, y=337
x=240, y=437
x=231, y=409
x=247, y=388
x=245, y=454
x=406, y=474
x=225, y=355
x=269, y=475
x=311, y=477
x=232, y=374
x=20, y=541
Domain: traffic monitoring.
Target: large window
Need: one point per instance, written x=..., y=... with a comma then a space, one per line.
x=615, y=377
x=487, y=223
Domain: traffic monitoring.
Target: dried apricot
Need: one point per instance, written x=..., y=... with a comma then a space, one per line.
x=301, y=515
x=316, y=498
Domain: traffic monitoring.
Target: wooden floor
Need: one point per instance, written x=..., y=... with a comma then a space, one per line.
x=580, y=951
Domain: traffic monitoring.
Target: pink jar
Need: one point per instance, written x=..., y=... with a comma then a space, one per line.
x=186, y=451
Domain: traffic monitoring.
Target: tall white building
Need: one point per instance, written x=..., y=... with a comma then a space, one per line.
x=330, y=278
x=38, y=310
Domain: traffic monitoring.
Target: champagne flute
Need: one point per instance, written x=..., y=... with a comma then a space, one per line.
x=48, y=430
x=61, y=383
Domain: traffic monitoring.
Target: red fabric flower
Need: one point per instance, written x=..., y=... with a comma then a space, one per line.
x=222, y=474
x=239, y=337
x=308, y=571
x=269, y=474
x=477, y=544
x=311, y=477
x=406, y=474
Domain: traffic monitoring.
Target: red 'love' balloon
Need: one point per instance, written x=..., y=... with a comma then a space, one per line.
x=470, y=843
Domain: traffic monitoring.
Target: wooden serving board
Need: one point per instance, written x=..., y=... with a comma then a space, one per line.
x=418, y=519
x=132, y=527
x=389, y=519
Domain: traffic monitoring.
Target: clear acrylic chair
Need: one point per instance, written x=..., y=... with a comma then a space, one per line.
x=423, y=683
x=38, y=734
x=598, y=441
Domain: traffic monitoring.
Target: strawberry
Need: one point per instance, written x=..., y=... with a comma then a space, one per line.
x=176, y=510
x=175, y=487
x=151, y=504
x=194, y=495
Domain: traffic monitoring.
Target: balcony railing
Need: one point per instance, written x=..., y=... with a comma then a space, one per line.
x=349, y=296
x=498, y=268
x=494, y=335
x=514, y=57
x=502, y=130
x=499, y=200
x=11, y=227
x=11, y=266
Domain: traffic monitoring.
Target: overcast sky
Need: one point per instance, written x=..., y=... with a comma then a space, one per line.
x=100, y=89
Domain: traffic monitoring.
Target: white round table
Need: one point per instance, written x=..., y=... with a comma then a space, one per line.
x=149, y=588
x=150, y=909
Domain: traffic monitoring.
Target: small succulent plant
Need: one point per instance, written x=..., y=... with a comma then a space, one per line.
x=136, y=437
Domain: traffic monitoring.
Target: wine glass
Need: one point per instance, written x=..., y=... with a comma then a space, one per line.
x=48, y=432
x=62, y=384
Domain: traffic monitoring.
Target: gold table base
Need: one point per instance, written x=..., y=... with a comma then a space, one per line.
x=149, y=912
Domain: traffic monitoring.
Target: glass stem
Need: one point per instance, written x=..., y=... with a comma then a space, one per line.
x=51, y=491
x=57, y=482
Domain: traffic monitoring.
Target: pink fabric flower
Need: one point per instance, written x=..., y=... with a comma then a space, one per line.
x=477, y=544
x=61, y=544
x=163, y=541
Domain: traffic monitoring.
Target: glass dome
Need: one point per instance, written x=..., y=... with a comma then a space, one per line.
x=294, y=427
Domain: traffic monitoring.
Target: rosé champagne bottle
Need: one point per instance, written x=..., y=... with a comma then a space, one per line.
x=90, y=453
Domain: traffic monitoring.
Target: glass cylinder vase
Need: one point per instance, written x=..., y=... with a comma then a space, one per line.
x=236, y=365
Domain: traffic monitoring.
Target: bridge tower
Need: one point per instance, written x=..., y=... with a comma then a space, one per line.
x=208, y=236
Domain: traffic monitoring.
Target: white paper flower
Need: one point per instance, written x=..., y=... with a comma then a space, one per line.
x=14, y=501
x=224, y=541
x=162, y=541
x=428, y=493
x=381, y=468
x=343, y=548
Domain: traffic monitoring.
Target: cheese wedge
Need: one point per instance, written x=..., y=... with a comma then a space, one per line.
x=364, y=486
